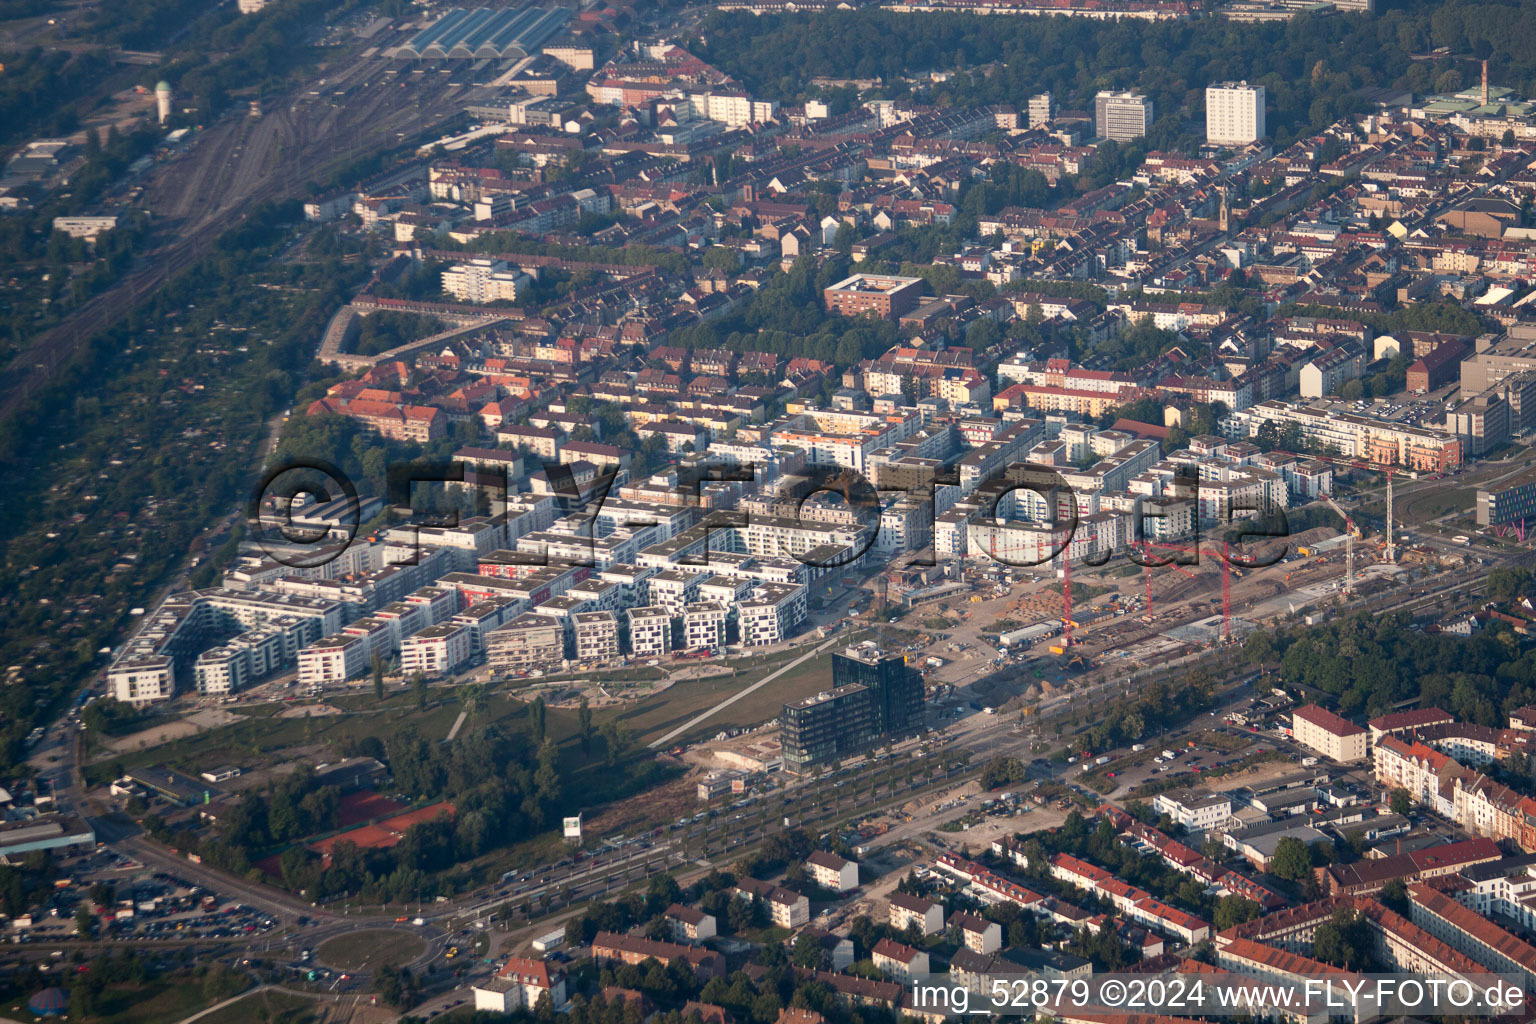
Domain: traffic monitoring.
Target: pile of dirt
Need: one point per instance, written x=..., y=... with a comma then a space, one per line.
x=670, y=802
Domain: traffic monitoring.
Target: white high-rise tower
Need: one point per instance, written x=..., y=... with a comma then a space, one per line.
x=1234, y=114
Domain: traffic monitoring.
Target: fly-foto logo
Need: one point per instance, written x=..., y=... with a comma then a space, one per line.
x=1040, y=518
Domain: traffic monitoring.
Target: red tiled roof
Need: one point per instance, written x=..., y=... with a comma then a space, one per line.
x=1411, y=719
x=1279, y=960
x=1428, y=896
x=526, y=971
x=1327, y=721
x=895, y=951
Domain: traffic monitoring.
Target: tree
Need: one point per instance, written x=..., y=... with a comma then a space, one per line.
x=983, y=334
x=1400, y=802
x=472, y=697
x=844, y=237
x=419, y=689
x=719, y=257
x=84, y=922
x=1394, y=896
x=1291, y=860
x=1259, y=647
x=615, y=739
x=584, y=725
x=1234, y=910
x=378, y=677
x=808, y=952
x=1508, y=584
x=546, y=778
x=1344, y=941
x=538, y=719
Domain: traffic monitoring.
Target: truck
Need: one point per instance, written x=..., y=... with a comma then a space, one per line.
x=1138, y=748
x=1170, y=755
x=1102, y=760
x=1308, y=762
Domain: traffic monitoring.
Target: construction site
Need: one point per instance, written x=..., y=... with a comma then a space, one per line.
x=998, y=635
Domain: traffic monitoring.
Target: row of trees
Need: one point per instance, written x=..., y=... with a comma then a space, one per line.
x=1373, y=662
x=1310, y=66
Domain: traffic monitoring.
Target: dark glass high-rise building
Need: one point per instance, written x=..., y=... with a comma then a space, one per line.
x=896, y=691
x=875, y=697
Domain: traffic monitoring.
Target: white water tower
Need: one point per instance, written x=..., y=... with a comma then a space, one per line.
x=163, y=100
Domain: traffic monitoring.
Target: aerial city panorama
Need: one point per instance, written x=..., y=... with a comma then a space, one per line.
x=767, y=511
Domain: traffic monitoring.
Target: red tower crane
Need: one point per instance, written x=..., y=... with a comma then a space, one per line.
x=1226, y=577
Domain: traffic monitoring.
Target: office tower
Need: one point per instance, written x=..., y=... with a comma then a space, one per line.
x=896, y=691
x=1042, y=110
x=874, y=697
x=1121, y=116
x=1234, y=114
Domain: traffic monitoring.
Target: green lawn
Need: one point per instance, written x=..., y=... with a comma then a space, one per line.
x=356, y=951
x=655, y=716
x=259, y=1007
x=162, y=1000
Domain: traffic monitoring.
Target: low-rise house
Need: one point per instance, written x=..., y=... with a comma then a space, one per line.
x=786, y=908
x=609, y=947
x=908, y=910
x=1195, y=809
x=977, y=933
x=897, y=961
x=689, y=924
x=830, y=871
x=520, y=984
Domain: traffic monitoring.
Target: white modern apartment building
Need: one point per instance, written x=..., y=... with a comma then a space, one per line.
x=528, y=643
x=675, y=589
x=704, y=625
x=1196, y=810
x=597, y=636
x=186, y=624
x=437, y=650
x=771, y=613
x=650, y=631
x=1234, y=114
x=1354, y=436
x=334, y=659
x=222, y=670
x=245, y=659
x=1042, y=110
x=732, y=108
x=485, y=281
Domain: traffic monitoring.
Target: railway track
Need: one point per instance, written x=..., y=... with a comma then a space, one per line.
x=235, y=165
